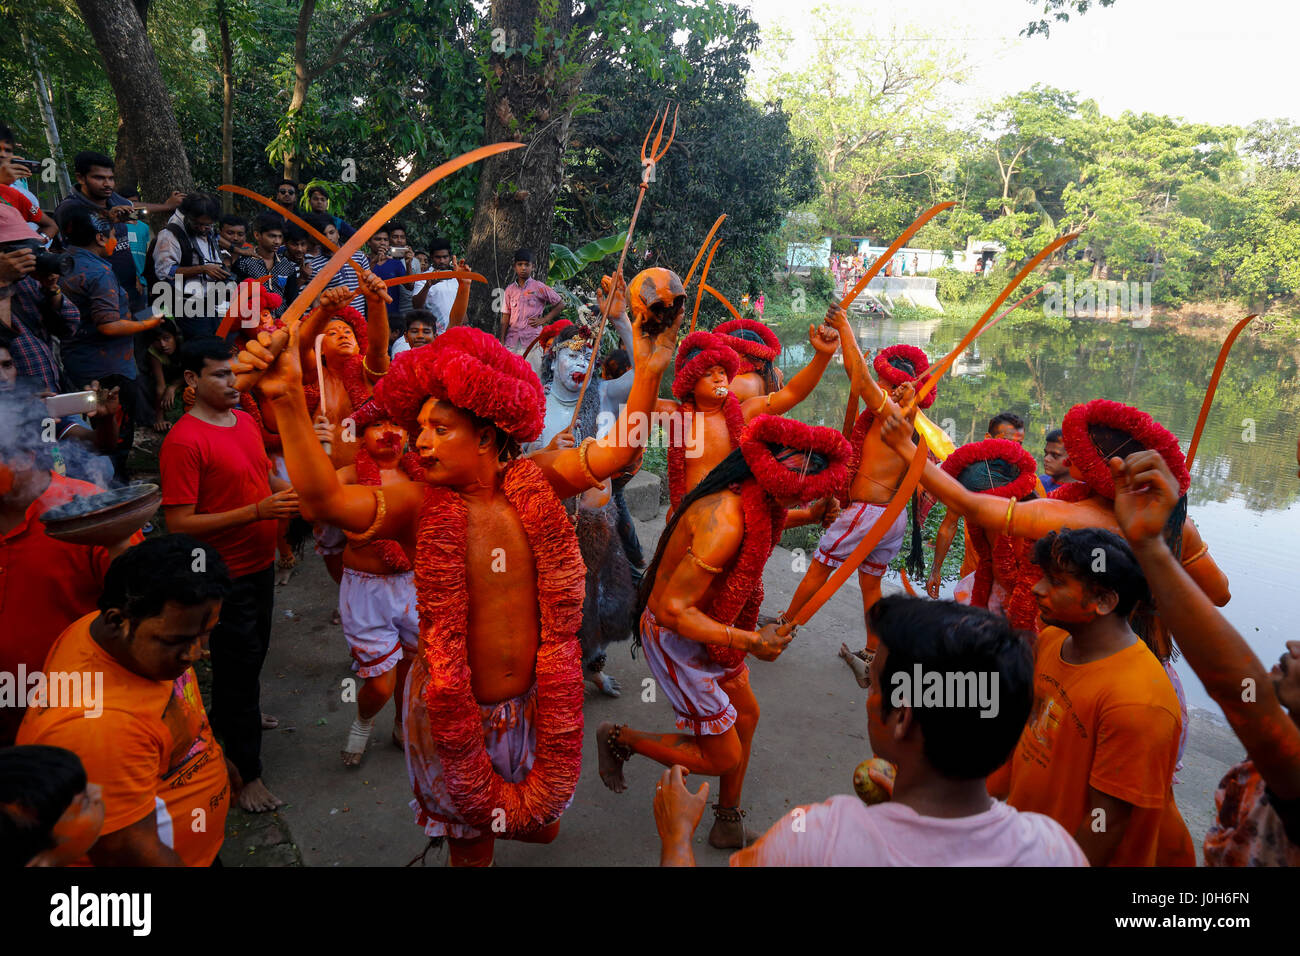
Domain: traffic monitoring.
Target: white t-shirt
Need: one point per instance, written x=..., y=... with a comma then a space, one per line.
x=442, y=296
x=844, y=831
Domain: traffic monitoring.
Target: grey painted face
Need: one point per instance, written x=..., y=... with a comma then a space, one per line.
x=570, y=367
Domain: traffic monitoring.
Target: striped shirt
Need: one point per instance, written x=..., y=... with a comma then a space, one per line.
x=347, y=276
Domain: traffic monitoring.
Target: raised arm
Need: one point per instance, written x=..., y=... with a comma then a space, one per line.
x=377, y=299
x=855, y=364
x=618, y=389
x=824, y=341
x=611, y=454
x=1145, y=493
x=1029, y=519
x=350, y=507
x=458, y=308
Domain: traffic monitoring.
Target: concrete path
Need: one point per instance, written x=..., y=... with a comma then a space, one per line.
x=811, y=737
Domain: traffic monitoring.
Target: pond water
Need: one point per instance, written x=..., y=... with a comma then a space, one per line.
x=1244, y=486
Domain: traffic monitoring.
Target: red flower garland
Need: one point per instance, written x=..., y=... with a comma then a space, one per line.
x=475, y=787
x=1126, y=418
x=895, y=376
x=991, y=560
x=735, y=418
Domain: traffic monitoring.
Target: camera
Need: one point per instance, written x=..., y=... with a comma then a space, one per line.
x=47, y=263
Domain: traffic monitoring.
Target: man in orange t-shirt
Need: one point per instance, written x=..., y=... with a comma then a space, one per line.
x=134, y=716
x=1099, y=750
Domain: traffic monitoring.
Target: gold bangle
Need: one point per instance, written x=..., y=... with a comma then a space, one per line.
x=371, y=371
x=701, y=564
x=1006, y=525
x=381, y=511
x=728, y=627
x=586, y=468
x=884, y=400
x=1205, y=548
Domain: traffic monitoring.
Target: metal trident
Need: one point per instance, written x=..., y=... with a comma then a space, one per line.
x=648, y=162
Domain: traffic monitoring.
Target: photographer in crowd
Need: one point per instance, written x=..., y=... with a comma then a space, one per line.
x=186, y=256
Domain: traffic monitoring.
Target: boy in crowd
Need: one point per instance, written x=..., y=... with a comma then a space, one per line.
x=421, y=328
x=146, y=743
x=940, y=813
x=1056, y=462
x=1099, y=750
x=217, y=486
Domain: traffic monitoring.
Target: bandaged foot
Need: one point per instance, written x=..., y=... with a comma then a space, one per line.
x=358, y=738
x=859, y=662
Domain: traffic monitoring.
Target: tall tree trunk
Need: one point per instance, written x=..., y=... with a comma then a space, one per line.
x=301, y=82
x=227, y=108
x=149, y=125
x=515, y=206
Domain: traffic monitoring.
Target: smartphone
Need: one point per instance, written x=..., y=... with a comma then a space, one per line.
x=70, y=403
x=397, y=252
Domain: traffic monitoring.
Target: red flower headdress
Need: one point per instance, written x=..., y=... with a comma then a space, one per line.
x=768, y=431
x=549, y=332
x=699, y=352
x=1003, y=559
x=753, y=341
x=473, y=371
x=903, y=363
x=1145, y=430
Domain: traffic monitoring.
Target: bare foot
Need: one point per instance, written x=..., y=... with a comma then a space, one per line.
x=731, y=835
x=609, y=766
x=269, y=722
x=358, y=740
x=255, y=798
x=861, y=669
x=283, y=573
x=399, y=735
x=607, y=685
x=336, y=618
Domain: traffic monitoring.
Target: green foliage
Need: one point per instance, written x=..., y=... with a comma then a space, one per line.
x=955, y=285
x=821, y=285
x=566, y=263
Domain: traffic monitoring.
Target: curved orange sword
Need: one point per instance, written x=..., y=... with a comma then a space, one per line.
x=286, y=213
x=373, y=224
x=969, y=337
x=721, y=298
x=868, y=544
x=704, y=276
x=1213, y=387
x=851, y=413
x=686, y=283
x=435, y=277
x=998, y=318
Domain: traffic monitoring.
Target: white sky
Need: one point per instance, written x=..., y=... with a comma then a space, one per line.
x=1203, y=60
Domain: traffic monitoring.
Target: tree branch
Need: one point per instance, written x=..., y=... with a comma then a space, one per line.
x=336, y=55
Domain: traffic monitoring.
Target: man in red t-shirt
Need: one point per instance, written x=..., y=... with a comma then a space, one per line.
x=45, y=584
x=217, y=486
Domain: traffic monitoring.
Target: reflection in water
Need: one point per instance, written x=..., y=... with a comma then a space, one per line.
x=1244, y=485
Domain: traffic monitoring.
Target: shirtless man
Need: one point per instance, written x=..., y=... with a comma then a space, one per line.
x=707, y=418
x=876, y=474
x=377, y=593
x=494, y=714
x=699, y=592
